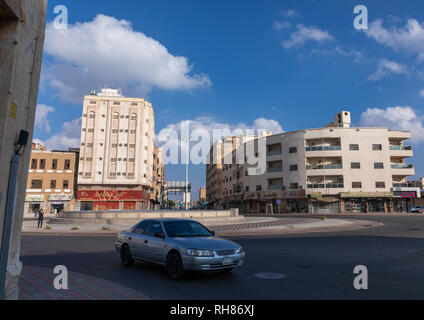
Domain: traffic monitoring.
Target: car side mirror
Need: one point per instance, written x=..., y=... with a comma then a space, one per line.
x=213, y=233
x=159, y=235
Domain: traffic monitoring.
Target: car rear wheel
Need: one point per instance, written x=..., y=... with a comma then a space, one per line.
x=126, y=256
x=174, y=267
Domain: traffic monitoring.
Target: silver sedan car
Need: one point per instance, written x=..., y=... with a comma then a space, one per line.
x=178, y=245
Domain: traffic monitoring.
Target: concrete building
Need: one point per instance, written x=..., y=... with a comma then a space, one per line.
x=202, y=195
x=337, y=168
x=157, y=198
x=22, y=27
x=117, y=148
x=51, y=180
x=222, y=178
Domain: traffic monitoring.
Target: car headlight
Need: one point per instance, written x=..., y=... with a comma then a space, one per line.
x=199, y=253
x=240, y=250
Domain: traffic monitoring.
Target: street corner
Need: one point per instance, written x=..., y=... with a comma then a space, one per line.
x=42, y=284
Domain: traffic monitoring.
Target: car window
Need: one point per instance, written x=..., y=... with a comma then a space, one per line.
x=186, y=229
x=155, y=227
x=142, y=227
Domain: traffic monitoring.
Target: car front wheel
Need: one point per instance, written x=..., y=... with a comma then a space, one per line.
x=126, y=256
x=174, y=267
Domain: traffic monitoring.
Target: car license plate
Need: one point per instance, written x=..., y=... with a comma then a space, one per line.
x=228, y=261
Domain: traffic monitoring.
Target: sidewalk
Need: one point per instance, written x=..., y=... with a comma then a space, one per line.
x=37, y=284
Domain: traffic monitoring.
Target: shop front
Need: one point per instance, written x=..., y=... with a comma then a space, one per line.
x=251, y=203
x=105, y=200
x=405, y=198
x=295, y=201
x=33, y=203
x=319, y=204
x=366, y=202
x=59, y=202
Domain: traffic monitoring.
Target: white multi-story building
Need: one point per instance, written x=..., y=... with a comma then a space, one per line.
x=336, y=168
x=117, y=148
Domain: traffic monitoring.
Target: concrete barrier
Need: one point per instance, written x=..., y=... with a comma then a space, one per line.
x=131, y=215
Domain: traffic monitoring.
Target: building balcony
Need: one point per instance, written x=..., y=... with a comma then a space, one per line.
x=275, y=170
x=275, y=187
x=274, y=153
x=325, y=148
x=324, y=167
x=326, y=186
x=403, y=170
x=401, y=151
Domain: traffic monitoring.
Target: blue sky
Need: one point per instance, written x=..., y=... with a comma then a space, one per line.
x=293, y=64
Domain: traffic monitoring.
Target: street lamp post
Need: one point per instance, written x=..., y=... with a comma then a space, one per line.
x=187, y=163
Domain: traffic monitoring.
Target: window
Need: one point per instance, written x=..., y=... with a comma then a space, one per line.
x=293, y=167
x=36, y=184
x=354, y=147
x=67, y=164
x=258, y=188
x=53, y=184
x=356, y=185
x=142, y=227
x=34, y=164
x=65, y=184
x=293, y=150
x=378, y=165
x=54, y=164
x=247, y=189
x=43, y=164
x=377, y=147
x=355, y=165
x=294, y=186
x=380, y=185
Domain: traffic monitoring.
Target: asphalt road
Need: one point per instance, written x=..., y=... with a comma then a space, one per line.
x=317, y=265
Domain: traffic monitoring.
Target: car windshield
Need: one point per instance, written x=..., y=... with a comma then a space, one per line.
x=186, y=229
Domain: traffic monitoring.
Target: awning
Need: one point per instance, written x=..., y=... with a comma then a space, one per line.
x=328, y=200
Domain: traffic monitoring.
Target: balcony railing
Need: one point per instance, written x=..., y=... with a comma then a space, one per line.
x=325, y=167
x=326, y=186
x=274, y=153
x=274, y=170
x=406, y=185
x=402, y=166
x=400, y=148
x=331, y=148
x=275, y=187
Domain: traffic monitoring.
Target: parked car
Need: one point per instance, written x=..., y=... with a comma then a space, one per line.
x=178, y=245
x=418, y=209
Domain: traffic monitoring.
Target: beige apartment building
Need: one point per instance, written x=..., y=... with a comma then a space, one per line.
x=157, y=198
x=117, y=152
x=51, y=180
x=337, y=168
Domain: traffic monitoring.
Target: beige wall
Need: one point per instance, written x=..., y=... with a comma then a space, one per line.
x=22, y=27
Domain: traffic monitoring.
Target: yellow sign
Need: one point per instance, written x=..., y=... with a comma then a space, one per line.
x=13, y=110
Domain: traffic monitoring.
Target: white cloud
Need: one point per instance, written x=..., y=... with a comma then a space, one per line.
x=396, y=118
x=280, y=26
x=304, y=34
x=356, y=55
x=289, y=13
x=409, y=39
x=41, y=115
x=386, y=67
x=209, y=124
x=69, y=137
x=107, y=51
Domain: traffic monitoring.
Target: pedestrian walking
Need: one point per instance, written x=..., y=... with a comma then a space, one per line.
x=40, y=219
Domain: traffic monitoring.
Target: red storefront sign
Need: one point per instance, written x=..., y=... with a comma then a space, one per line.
x=112, y=195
